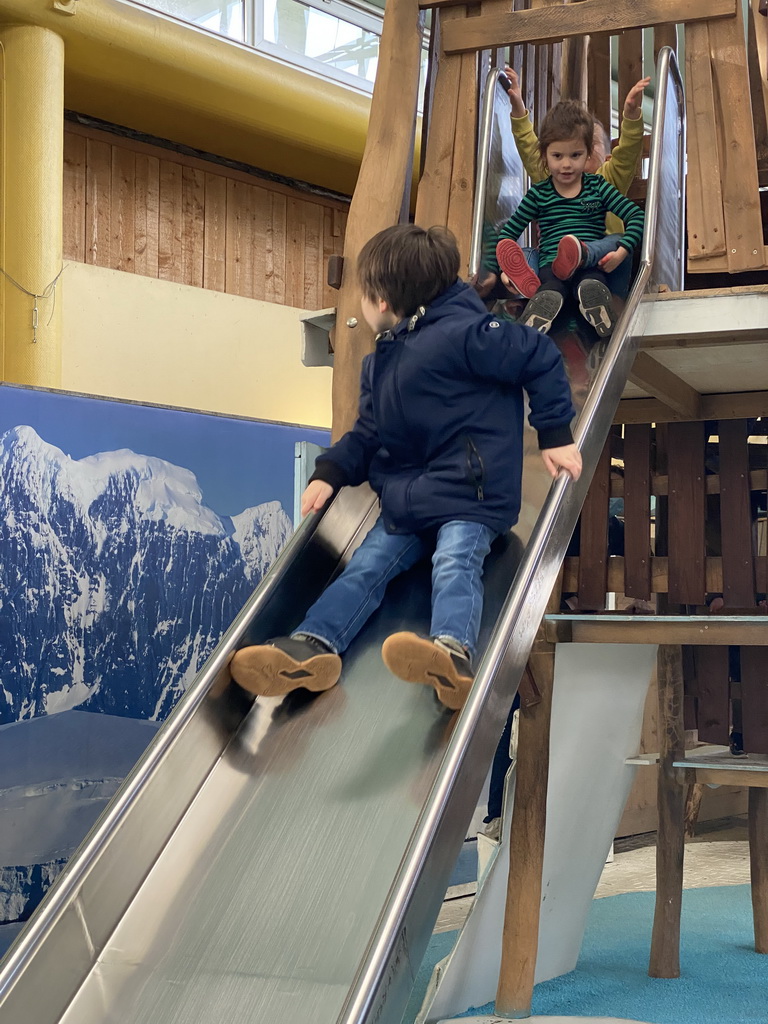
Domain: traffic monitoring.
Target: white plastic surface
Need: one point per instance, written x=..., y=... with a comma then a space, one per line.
x=597, y=716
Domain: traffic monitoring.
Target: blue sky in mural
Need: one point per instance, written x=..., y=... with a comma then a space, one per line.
x=238, y=463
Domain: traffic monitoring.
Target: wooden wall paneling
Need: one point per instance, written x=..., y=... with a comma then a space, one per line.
x=664, y=35
x=146, y=215
x=712, y=693
x=736, y=516
x=555, y=84
x=637, y=511
x=275, y=250
x=593, y=544
x=434, y=193
x=599, y=78
x=193, y=226
x=122, y=223
x=462, y=191
x=98, y=192
x=74, y=198
x=741, y=197
x=313, y=264
x=171, y=221
x=630, y=64
x=754, y=698
x=239, y=241
x=687, y=513
x=757, y=64
x=706, y=219
x=215, y=233
x=261, y=216
x=540, y=97
x=294, y=254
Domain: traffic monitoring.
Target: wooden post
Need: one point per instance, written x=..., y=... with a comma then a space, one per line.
x=379, y=192
x=664, y=35
x=665, y=942
x=758, y=863
x=520, y=937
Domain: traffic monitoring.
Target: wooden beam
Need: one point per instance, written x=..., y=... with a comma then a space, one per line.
x=736, y=406
x=659, y=574
x=738, y=163
x=650, y=375
x=701, y=630
x=378, y=197
x=723, y=777
x=758, y=481
x=670, y=837
x=551, y=24
x=706, y=221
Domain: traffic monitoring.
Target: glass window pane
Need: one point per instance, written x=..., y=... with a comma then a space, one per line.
x=222, y=16
x=316, y=34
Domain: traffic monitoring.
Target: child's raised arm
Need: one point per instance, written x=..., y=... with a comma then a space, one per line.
x=525, y=137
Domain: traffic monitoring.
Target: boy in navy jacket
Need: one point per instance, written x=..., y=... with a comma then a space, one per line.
x=439, y=438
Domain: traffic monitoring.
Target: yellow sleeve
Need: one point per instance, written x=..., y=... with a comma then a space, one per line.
x=527, y=144
x=619, y=171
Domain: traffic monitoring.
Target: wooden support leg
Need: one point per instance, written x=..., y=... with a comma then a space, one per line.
x=692, y=808
x=758, y=861
x=520, y=938
x=665, y=943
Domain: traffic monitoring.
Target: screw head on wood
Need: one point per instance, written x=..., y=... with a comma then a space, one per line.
x=352, y=321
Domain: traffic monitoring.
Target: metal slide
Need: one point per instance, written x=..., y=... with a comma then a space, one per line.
x=285, y=861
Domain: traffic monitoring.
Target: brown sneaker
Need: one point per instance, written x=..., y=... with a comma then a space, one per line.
x=433, y=661
x=570, y=256
x=284, y=664
x=514, y=264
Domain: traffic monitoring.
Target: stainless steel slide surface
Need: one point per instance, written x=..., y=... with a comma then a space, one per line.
x=285, y=861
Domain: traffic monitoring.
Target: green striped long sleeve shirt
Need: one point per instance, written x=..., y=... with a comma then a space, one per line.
x=583, y=216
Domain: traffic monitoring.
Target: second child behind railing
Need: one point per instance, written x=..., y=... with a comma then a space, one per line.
x=570, y=206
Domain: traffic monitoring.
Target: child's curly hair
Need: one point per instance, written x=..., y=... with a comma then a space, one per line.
x=568, y=119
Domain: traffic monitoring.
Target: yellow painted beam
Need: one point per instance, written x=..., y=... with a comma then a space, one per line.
x=31, y=169
x=132, y=67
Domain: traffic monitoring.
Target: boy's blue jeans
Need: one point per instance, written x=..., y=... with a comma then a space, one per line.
x=618, y=280
x=345, y=606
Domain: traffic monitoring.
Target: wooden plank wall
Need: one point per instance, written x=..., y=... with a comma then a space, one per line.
x=145, y=210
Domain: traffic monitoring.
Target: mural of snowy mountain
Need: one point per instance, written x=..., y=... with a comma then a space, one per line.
x=117, y=580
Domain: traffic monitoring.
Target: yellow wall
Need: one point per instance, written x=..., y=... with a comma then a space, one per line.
x=138, y=338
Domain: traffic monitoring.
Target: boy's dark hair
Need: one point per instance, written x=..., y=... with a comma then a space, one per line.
x=408, y=266
x=568, y=119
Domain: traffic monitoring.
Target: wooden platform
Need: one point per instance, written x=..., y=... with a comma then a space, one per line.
x=704, y=356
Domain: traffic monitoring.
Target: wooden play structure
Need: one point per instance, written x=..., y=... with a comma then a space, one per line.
x=687, y=453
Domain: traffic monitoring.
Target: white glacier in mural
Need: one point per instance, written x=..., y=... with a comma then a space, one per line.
x=117, y=580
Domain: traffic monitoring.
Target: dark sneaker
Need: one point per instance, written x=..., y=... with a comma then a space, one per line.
x=434, y=661
x=284, y=664
x=570, y=256
x=542, y=310
x=514, y=264
x=736, y=744
x=596, y=306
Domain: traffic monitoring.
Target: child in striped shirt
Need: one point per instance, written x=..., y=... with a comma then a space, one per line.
x=570, y=207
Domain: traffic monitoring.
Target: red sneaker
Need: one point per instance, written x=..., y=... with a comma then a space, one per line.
x=570, y=256
x=514, y=264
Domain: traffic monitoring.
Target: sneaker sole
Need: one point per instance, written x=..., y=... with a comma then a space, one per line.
x=568, y=258
x=417, y=660
x=269, y=672
x=514, y=264
x=595, y=305
x=548, y=305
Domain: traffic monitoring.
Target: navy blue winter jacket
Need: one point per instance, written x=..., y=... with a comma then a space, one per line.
x=440, y=423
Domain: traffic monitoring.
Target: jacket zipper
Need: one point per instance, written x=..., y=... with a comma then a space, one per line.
x=478, y=478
